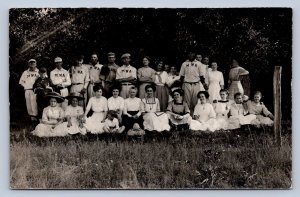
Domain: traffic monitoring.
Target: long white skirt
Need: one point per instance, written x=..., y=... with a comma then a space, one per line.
x=261, y=120
x=74, y=129
x=235, y=122
x=45, y=130
x=209, y=125
x=214, y=91
x=235, y=87
x=93, y=123
x=186, y=120
x=156, y=122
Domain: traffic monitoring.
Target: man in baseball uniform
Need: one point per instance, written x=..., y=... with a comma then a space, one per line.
x=108, y=74
x=60, y=79
x=126, y=75
x=80, y=78
x=192, y=76
x=94, y=72
x=27, y=80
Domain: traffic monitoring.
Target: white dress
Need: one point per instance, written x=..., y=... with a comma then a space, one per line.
x=94, y=123
x=222, y=109
x=50, y=114
x=207, y=118
x=215, y=80
x=74, y=113
x=238, y=116
x=154, y=120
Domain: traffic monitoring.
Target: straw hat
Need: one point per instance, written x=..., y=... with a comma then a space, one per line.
x=55, y=95
x=136, y=130
x=74, y=95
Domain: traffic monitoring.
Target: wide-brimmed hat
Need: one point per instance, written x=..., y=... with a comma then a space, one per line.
x=136, y=130
x=55, y=95
x=74, y=95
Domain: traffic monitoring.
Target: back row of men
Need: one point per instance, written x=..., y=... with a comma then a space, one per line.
x=194, y=76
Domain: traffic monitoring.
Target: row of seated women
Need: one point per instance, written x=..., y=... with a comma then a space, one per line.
x=135, y=116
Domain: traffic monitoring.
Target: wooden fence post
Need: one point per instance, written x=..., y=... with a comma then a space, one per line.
x=277, y=104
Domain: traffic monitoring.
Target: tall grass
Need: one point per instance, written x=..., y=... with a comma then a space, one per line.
x=216, y=160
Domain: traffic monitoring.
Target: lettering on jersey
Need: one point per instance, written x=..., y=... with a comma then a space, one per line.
x=127, y=71
x=59, y=75
x=32, y=75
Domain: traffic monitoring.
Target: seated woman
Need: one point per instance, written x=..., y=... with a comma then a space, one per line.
x=178, y=111
x=111, y=124
x=53, y=116
x=116, y=103
x=204, y=115
x=132, y=113
x=98, y=104
x=222, y=108
x=154, y=120
x=75, y=116
x=238, y=113
x=256, y=107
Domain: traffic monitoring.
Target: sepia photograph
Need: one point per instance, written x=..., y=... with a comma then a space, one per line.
x=150, y=98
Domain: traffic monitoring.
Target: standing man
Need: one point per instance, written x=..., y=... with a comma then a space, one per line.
x=80, y=78
x=27, y=80
x=108, y=74
x=199, y=57
x=192, y=76
x=60, y=79
x=126, y=75
x=94, y=72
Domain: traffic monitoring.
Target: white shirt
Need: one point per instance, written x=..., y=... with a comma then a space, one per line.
x=61, y=76
x=171, y=79
x=112, y=123
x=132, y=104
x=115, y=103
x=97, y=105
x=95, y=72
x=192, y=71
x=80, y=74
x=125, y=72
x=28, y=78
x=162, y=79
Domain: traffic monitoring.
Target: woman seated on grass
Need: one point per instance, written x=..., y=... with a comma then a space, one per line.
x=154, y=120
x=238, y=113
x=111, y=124
x=222, y=108
x=256, y=107
x=98, y=104
x=75, y=116
x=132, y=113
x=178, y=111
x=204, y=115
x=52, y=117
x=116, y=103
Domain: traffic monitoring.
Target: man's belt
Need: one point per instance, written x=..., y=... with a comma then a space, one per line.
x=126, y=84
x=77, y=83
x=192, y=82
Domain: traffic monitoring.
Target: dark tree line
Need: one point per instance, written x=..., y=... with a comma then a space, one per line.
x=260, y=38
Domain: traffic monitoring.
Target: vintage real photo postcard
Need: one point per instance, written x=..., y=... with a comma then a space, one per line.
x=144, y=98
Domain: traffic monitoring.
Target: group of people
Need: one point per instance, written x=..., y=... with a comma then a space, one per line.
x=96, y=98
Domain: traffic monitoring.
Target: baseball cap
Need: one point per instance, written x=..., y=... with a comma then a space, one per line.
x=57, y=59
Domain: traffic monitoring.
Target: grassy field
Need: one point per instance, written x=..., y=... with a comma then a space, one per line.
x=239, y=159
